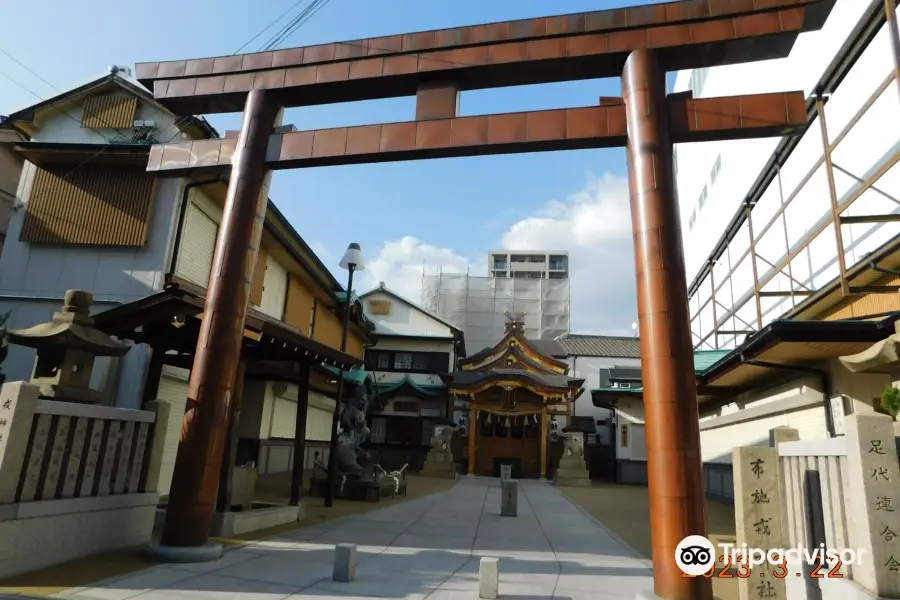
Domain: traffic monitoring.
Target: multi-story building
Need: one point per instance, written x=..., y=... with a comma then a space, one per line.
x=91, y=217
x=529, y=265
x=479, y=306
x=413, y=348
x=805, y=272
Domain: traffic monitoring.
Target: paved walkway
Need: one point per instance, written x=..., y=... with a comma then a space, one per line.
x=425, y=548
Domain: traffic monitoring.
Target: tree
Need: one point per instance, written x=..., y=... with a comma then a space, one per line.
x=890, y=401
x=4, y=317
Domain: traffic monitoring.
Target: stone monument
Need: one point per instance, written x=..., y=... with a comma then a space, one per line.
x=439, y=462
x=572, y=470
x=66, y=348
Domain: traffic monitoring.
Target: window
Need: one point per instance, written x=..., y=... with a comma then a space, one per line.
x=384, y=360
x=420, y=362
x=703, y=196
x=557, y=263
x=500, y=263
x=403, y=361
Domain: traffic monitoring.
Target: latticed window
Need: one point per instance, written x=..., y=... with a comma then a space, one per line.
x=403, y=361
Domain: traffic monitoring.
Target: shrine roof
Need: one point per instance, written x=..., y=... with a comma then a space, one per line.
x=467, y=379
x=426, y=390
x=692, y=33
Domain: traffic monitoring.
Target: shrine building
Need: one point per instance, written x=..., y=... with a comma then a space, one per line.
x=512, y=393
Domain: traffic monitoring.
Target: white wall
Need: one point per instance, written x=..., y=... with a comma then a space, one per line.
x=865, y=146
x=403, y=319
x=630, y=415
x=588, y=368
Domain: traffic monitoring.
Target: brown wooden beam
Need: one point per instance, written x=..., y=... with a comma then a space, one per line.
x=692, y=34
x=891, y=218
x=692, y=120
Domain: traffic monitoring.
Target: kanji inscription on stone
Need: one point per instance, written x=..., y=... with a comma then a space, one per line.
x=756, y=467
x=873, y=519
x=760, y=497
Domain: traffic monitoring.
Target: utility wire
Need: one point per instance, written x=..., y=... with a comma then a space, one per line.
x=269, y=26
x=305, y=15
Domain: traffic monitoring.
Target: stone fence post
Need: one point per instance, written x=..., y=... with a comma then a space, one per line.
x=757, y=515
x=18, y=402
x=873, y=502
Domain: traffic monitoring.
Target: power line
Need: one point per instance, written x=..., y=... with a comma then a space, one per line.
x=269, y=26
x=305, y=15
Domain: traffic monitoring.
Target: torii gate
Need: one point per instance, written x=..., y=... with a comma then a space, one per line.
x=639, y=43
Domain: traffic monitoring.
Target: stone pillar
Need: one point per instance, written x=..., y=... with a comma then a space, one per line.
x=18, y=401
x=757, y=515
x=192, y=500
x=873, y=502
x=674, y=469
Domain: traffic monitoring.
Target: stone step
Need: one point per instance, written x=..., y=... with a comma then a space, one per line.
x=439, y=456
x=567, y=482
x=431, y=465
x=573, y=474
x=438, y=474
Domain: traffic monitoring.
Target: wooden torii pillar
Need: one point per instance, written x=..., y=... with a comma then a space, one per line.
x=637, y=43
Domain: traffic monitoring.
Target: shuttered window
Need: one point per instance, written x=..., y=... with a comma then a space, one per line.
x=259, y=276
x=198, y=244
x=298, y=312
x=274, y=289
x=175, y=392
x=111, y=111
x=89, y=206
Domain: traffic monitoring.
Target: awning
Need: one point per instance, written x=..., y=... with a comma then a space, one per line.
x=168, y=319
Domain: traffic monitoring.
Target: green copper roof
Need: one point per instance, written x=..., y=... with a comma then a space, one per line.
x=342, y=296
x=356, y=375
x=703, y=360
x=424, y=389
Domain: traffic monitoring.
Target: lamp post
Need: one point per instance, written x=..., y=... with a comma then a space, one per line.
x=352, y=261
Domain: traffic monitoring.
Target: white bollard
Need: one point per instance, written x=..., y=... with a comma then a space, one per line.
x=489, y=578
x=344, y=562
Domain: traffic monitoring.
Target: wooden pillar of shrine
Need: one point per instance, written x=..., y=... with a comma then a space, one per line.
x=473, y=431
x=545, y=423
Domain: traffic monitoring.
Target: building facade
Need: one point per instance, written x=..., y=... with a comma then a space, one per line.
x=529, y=265
x=481, y=306
x=90, y=217
x=777, y=201
x=412, y=350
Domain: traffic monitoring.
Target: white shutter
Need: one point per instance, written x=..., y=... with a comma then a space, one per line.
x=175, y=392
x=318, y=424
x=638, y=442
x=198, y=244
x=274, y=289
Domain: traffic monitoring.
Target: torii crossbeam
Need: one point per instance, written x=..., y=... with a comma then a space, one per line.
x=639, y=43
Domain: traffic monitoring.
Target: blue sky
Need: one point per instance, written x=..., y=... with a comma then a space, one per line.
x=446, y=213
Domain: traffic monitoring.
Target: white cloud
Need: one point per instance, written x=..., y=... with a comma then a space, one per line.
x=593, y=226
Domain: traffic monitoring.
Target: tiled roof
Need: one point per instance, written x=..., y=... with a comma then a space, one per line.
x=600, y=345
x=704, y=359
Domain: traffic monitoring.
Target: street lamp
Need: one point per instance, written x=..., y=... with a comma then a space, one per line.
x=352, y=261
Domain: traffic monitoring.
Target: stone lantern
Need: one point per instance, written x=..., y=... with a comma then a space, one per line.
x=66, y=348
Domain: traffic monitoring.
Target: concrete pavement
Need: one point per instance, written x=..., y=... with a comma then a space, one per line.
x=424, y=548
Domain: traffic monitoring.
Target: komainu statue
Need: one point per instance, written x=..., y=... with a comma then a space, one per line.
x=441, y=442
x=572, y=445
x=354, y=433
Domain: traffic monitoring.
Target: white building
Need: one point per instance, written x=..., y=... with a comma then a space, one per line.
x=412, y=348
x=90, y=217
x=762, y=267
x=479, y=305
x=529, y=265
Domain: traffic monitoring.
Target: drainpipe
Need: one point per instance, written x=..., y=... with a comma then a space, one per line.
x=182, y=212
x=823, y=378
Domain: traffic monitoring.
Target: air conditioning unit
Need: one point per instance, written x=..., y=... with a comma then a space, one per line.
x=149, y=123
x=138, y=124
x=624, y=385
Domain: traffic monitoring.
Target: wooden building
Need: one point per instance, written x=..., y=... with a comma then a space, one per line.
x=512, y=392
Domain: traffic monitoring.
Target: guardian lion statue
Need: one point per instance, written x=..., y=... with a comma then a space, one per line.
x=441, y=442
x=572, y=445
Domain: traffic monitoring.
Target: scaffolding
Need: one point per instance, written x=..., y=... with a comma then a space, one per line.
x=478, y=305
x=823, y=206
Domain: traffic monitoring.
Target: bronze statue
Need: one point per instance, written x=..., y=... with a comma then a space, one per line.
x=354, y=433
